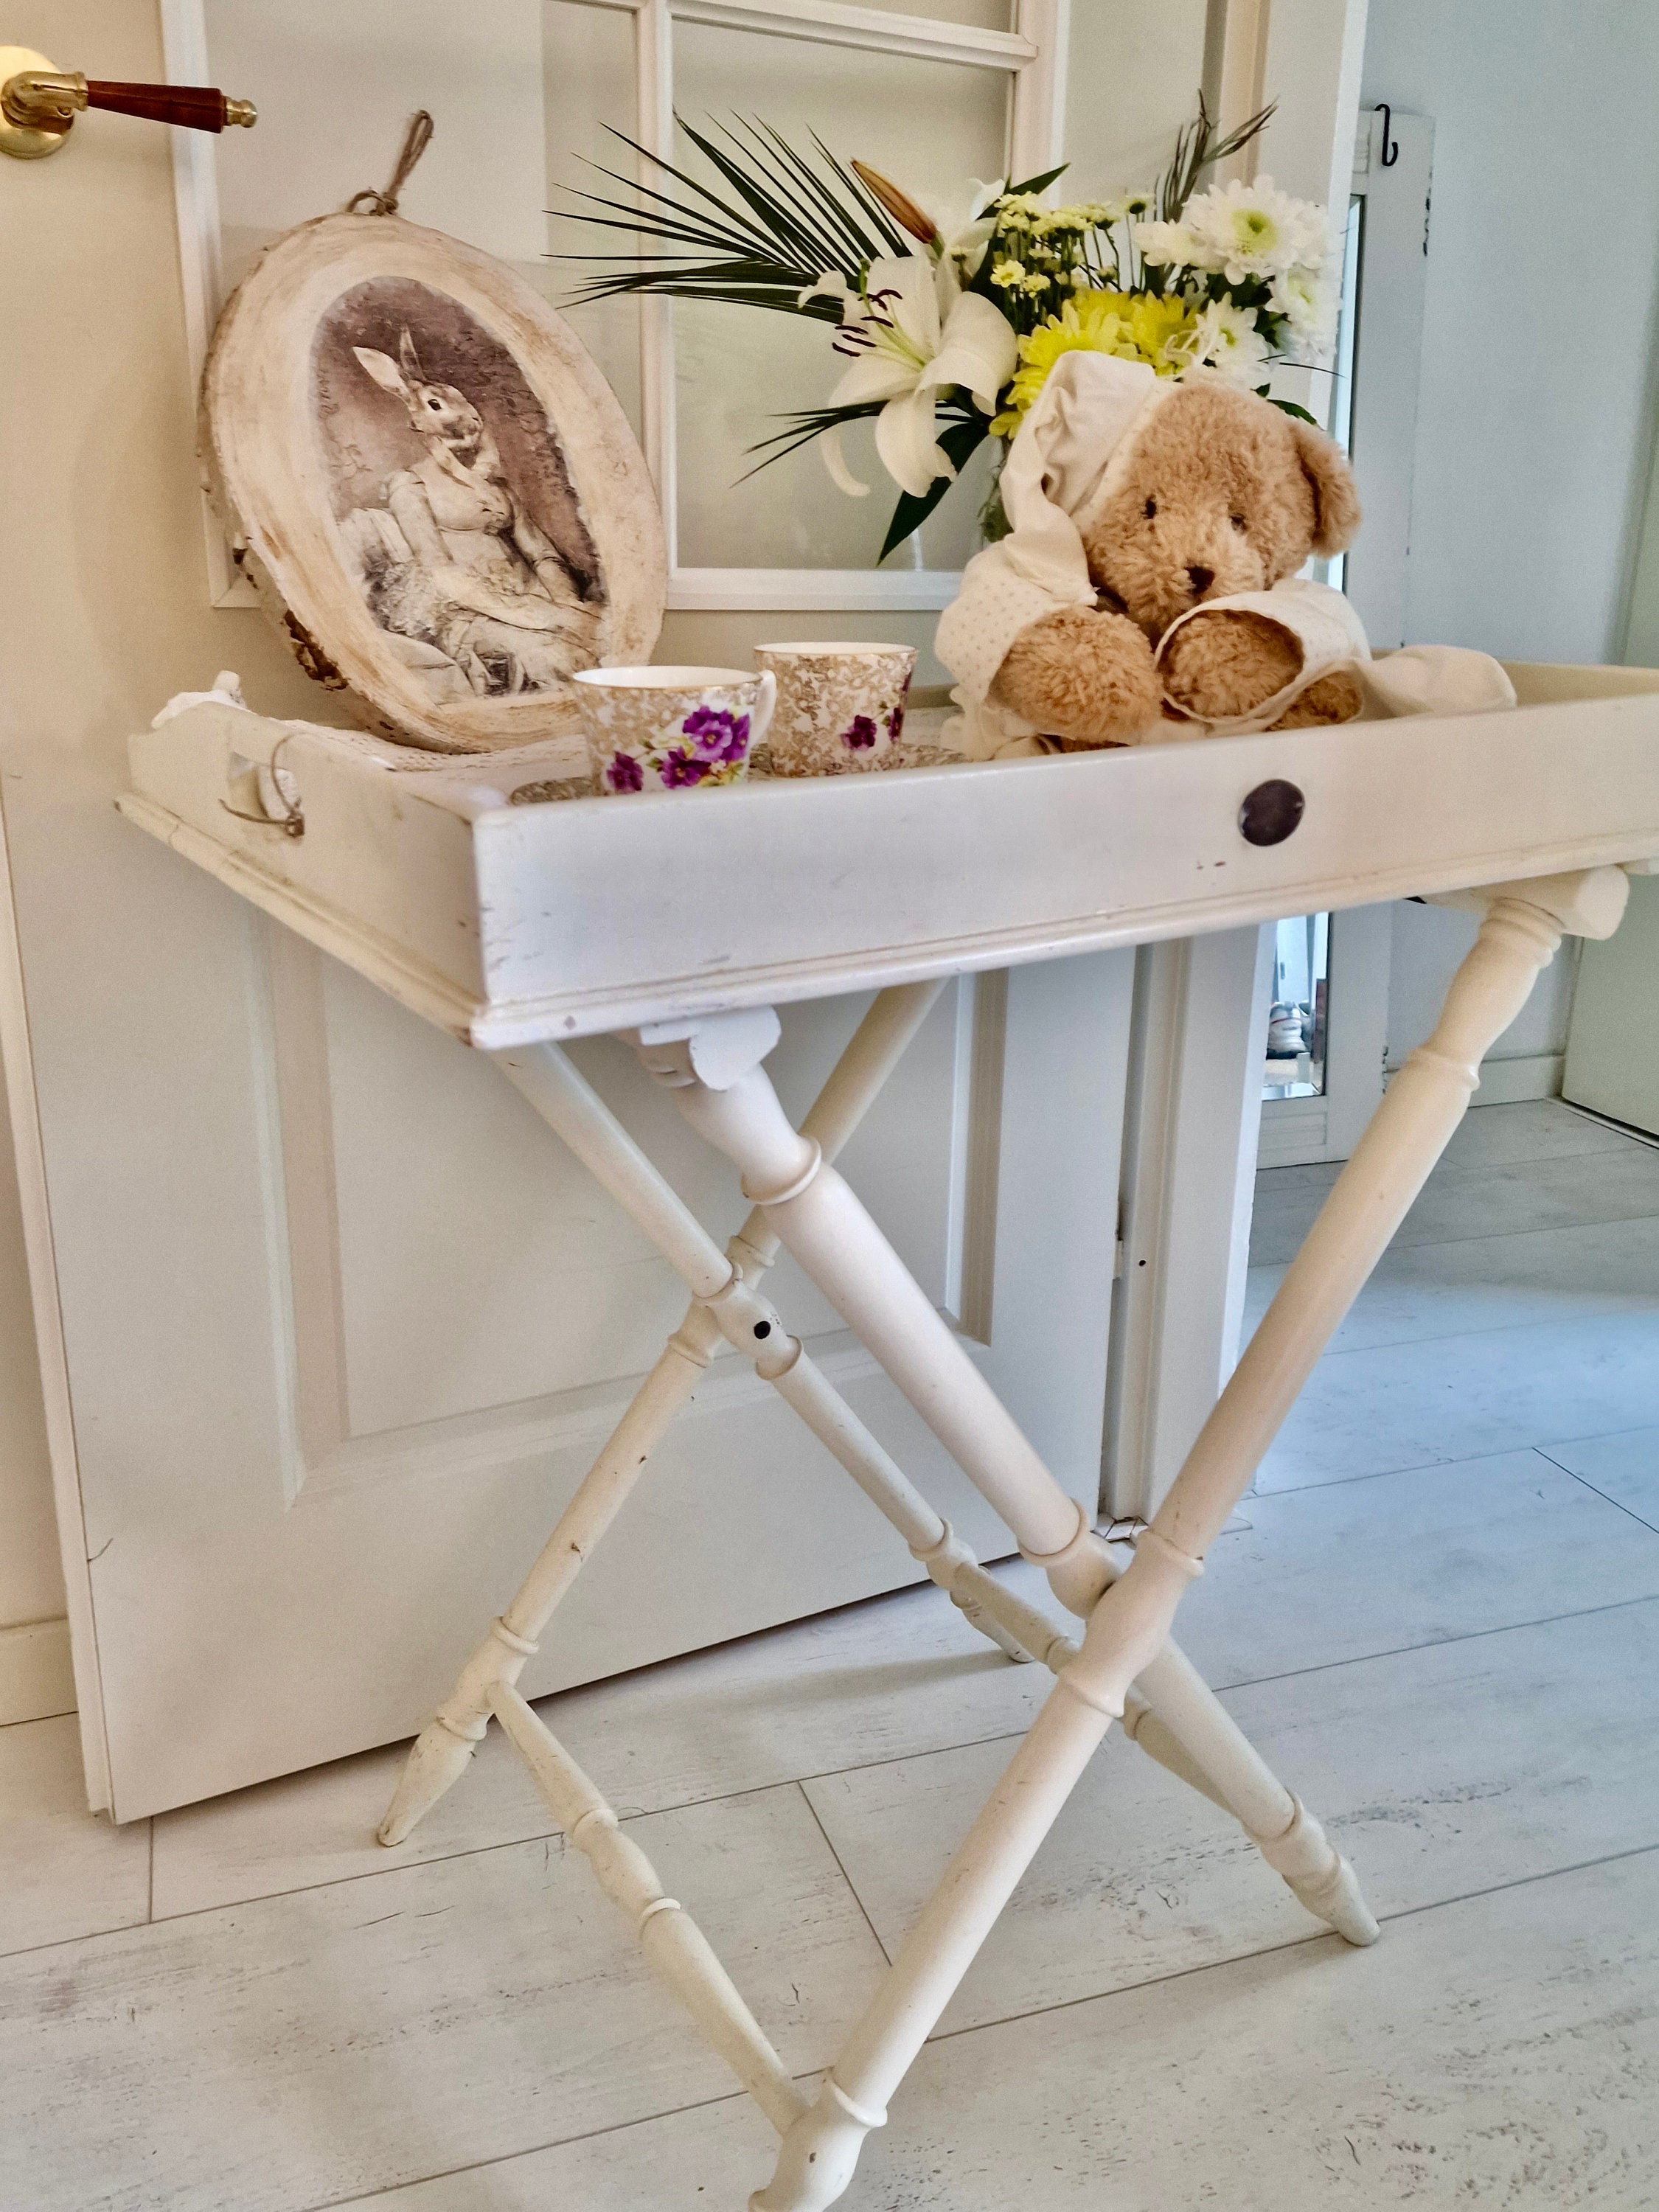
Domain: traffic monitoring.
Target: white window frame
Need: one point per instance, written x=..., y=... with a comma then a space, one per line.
x=1390, y=285
x=1033, y=58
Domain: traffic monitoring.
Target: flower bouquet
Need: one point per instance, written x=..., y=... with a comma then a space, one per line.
x=949, y=335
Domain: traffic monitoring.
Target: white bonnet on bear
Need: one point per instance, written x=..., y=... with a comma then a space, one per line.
x=1067, y=456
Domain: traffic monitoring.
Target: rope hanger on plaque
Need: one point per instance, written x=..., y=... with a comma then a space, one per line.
x=416, y=139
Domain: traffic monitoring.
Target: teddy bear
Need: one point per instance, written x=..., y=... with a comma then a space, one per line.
x=1144, y=591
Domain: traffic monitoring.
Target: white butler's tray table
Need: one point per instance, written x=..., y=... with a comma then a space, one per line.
x=679, y=923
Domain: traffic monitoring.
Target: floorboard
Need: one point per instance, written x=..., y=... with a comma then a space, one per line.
x=266, y=2058
x=1439, y=1773
x=1500, y=2050
x=1623, y=1467
x=1425, y=1291
x=62, y=1873
x=1438, y=1616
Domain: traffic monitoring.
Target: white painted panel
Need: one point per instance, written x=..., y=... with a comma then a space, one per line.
x=1132, y=81
x=337, y=1620
x=588, y=93
x=31, y=1580
x=479, y=1263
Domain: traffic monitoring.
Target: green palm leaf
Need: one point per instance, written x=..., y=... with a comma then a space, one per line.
x=780, y=225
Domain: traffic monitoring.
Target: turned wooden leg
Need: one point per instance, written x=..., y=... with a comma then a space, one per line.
x=1176, y=1718
x=673, y=1944
x=1128, y=1627
x=816, y=2158
x=821, y=1224
x=1183, y=1716
x=441, y=1754
x=1522, y=929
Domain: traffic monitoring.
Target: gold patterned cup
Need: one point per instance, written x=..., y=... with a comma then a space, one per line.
x=840, y=707
x=672, y=729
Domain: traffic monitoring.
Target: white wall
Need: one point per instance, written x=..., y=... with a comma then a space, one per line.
x=1534, y=424
x=1535, y=420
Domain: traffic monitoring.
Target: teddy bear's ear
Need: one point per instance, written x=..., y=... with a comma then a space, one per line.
x=1336, y=501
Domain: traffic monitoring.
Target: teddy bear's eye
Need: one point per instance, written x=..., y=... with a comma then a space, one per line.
x=1150, y=509
x=1238, y=522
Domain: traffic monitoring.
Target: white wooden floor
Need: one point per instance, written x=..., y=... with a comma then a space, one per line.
x=1441, y=1622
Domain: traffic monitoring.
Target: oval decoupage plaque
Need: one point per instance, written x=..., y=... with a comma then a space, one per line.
x=432, y=486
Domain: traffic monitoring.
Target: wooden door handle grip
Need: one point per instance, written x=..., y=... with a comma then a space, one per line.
x=39, y=105
x=194, y=107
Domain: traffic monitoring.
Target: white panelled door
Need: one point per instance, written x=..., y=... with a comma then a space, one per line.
x=330, y=1328
x=337, y=1325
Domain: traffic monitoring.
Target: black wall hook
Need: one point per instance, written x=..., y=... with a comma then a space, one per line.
x=1391, y=153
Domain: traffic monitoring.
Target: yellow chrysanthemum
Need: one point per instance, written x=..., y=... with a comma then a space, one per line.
x=1136, y=326
x=1162, y=330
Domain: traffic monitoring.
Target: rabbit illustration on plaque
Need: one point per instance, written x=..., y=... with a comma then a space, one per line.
x=470, y=545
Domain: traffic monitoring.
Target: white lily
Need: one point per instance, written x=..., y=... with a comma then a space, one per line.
x=915, y=332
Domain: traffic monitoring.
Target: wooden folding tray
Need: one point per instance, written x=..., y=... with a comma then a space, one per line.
x=508, y=922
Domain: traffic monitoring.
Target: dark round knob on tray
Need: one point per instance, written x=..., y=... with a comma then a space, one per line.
x=1270, y=812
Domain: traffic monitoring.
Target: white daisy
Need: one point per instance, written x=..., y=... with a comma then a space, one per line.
x=1227, y=339
x=1172, y=244
x=1254, y=230
x=1307, y=301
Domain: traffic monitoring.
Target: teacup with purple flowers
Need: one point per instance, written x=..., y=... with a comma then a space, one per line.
x=672, y=729
x=840, y=707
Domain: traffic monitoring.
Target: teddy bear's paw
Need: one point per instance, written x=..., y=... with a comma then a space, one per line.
x=1335, y=697
x=1226, y=663
x=1084, y=677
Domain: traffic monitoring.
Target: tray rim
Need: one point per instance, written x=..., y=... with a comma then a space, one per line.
x=509, y=835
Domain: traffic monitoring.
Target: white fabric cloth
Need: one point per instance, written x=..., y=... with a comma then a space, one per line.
x=1074, y=441
x=227, y=692
x=1418, y=679
x=1434, y=679
x=1321, y=622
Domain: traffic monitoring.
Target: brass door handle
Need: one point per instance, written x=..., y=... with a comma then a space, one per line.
x=39, y=104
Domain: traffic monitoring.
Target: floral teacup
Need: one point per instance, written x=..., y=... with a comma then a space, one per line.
x=840, y=707
x=672, y=729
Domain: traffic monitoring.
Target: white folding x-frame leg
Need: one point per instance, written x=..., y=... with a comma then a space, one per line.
x=713, y=1067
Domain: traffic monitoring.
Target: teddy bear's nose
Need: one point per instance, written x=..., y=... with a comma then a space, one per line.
x=1201, y=579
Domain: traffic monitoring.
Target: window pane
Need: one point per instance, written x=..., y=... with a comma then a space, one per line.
x=931, y=127
x=1297, y=1023
x=587, y=84
x=1132, y=81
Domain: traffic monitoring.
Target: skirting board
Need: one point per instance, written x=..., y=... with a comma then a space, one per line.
x=36, y=1680
x=1533, y=1075
x=1507, y=1082
x=1295, y=1130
